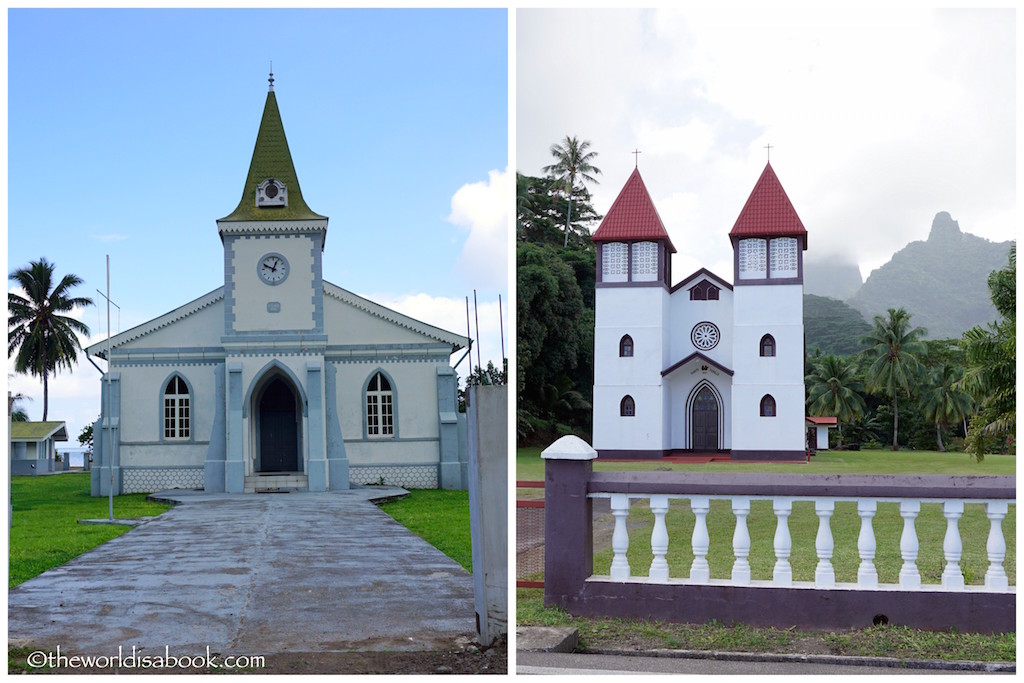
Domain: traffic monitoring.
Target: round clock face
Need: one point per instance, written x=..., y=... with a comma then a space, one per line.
x=273, y=269
x=705, y=336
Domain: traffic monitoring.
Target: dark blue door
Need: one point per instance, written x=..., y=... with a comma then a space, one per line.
x=279, y=429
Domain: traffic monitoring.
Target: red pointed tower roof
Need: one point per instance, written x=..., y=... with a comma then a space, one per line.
x=768, y=211
x=632, y=216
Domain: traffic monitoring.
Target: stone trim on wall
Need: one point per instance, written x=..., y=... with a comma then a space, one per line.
x=150, y=479
x=406, y=476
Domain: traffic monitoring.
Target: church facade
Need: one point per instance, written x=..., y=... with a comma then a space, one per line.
x=278, y=379
x=703, y=365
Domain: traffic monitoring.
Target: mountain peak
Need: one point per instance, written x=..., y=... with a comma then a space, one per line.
x=944, y=227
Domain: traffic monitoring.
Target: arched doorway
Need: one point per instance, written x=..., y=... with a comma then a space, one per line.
x=278, y=427
x=704, y=418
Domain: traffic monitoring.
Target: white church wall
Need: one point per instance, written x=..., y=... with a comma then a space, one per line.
x=643, y=431
x=253, y=300
x=685, y=314
x=784, y=432
x=142, y=403
x=415, y=389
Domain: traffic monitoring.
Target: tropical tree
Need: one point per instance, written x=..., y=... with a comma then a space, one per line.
x=991, y=372
x=18, y=413
x=892, y=352
x=943, y=401
x=572, y=162
x=835, y=390
x=38, y=330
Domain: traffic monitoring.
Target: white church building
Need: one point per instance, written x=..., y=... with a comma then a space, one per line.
x=703, y=365
x=278, y=379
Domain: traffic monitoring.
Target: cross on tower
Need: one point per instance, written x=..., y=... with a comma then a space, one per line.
x=636, y=157
x=769, y=148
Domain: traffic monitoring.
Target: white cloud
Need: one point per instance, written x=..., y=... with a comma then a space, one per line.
x=878, y=118
x=111, y=237
x=483, y=209
x=450, y=314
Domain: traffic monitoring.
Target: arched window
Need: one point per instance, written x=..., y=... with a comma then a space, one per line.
x=380, y=407
x=626, y=407
x=767, y=406
x=626, y=346
x=767, y=345
x=177, y=416
x=704, y=291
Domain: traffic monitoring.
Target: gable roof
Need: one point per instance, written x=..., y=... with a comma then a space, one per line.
x=271, y=159
x=768, y=211
x=38, y=431
x=456, y=340
x=694, y=278
x=633, y=216
x=696, y=355
x=99, y=349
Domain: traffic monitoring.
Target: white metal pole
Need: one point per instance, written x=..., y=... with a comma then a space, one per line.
x=106, y=411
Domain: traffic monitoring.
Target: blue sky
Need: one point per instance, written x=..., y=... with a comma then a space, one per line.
x=130, y=132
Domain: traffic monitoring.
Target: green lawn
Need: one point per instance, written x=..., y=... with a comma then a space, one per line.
x=45, y=532
x=439, y=517
x=880, y=641
x=530, y=466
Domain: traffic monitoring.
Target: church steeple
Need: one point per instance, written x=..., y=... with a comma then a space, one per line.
x=281, y=197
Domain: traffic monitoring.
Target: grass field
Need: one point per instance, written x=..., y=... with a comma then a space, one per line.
x=879, y=641
x=45, y=532
x=530, y=466
x=441, y=518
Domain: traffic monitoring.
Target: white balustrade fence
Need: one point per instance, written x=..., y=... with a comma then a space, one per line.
x=824, y=507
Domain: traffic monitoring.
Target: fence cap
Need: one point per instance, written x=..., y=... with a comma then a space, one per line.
x=569, y=448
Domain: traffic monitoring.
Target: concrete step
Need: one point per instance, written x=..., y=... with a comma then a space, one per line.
x=276, y=481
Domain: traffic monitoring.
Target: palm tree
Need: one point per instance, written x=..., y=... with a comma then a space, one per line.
x=44, y=339
x=572, y=161
x=835, y=390
x=943, y=401
x=893, y=348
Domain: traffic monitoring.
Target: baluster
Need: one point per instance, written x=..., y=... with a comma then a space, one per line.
x=824, y=574
x=700, y=571
x=867, y=577
x=995, y=577
x=952, y=577
x=783, y=574
x=910, y=577
x=620, y=537
x=741, y=542
x=659, y=539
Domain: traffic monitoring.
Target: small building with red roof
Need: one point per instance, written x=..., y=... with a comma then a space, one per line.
x=706, y=363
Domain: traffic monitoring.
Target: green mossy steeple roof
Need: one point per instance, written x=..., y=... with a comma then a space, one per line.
x=271, y=159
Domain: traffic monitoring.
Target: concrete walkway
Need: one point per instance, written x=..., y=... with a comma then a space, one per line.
x=251, y=574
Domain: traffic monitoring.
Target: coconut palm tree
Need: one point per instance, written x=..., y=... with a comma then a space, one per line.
x=943, y=401
x=37, y=329
x=573, y=161
x=835, y=390
x=893, y=347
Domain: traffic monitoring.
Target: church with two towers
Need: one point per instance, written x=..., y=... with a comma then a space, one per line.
x=703, y=365
x=278, y=379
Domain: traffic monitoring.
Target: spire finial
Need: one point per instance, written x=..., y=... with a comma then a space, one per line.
x=636, y=158
x=769, y=148
x=271, y=79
